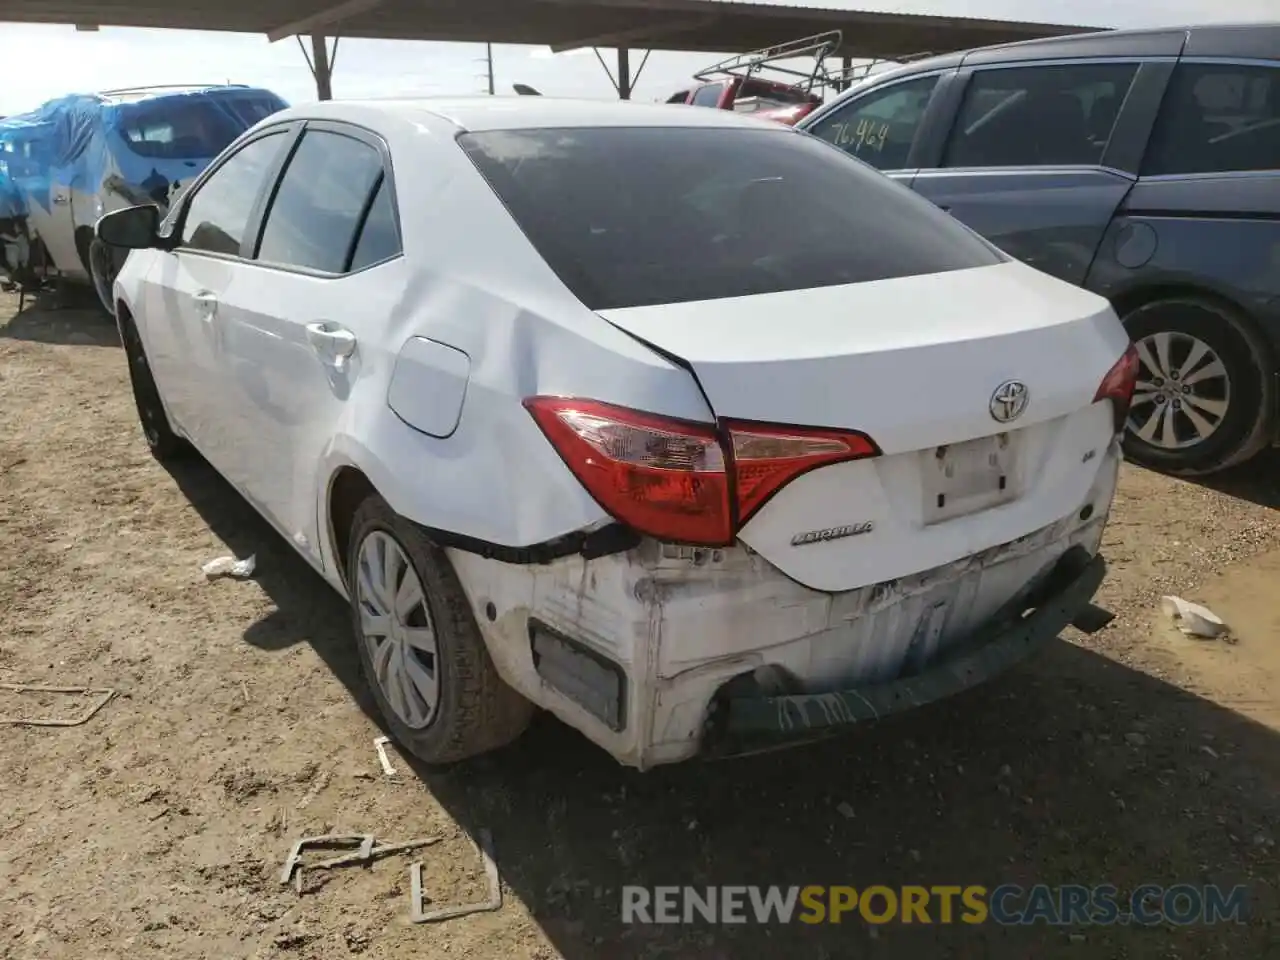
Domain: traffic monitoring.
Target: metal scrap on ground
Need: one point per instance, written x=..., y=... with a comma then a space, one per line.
x=366, y=852
x=484, y=845
x=103, y=696
x=380, y=744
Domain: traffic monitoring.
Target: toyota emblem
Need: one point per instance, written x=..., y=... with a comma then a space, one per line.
x=1009, y=400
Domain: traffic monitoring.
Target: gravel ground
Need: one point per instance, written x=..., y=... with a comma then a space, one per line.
x=158, y=828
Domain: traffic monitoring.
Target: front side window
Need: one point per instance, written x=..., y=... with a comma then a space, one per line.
x=322, y=196
x=880, y=127
x=217, y=217
x=1059, y=115
x=1217, y=118
x=648, y=215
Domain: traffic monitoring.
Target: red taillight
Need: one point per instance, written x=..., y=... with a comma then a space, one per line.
x=765, y=458
x=663, y=477
x=671, y=479
x=1117, y=386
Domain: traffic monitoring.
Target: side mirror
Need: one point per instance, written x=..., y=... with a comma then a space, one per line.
x=133, y=228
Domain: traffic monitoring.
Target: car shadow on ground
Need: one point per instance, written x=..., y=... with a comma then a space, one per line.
x=67, y=316
x=1257, y=481
x=1074, y=769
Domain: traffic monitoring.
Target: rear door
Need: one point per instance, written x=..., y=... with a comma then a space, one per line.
x=1033, y=162
x=299, y=320
x=882, y=126
x=47, y=188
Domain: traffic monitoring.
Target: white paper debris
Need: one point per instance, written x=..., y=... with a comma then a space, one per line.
x=230, y=567
x=1193, y=619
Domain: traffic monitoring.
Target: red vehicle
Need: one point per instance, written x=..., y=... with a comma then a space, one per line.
x=769, y=99
x=735, y=83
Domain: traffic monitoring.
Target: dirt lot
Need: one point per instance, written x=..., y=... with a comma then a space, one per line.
x=157, y=829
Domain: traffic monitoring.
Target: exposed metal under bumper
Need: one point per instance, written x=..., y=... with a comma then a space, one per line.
x=751, y=724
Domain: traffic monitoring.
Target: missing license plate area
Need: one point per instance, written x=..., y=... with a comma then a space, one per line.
x=963, y=478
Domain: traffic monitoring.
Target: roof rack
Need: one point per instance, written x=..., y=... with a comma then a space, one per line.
x=160, y=87
x=860, y=70
x=745, y=65
x=820, y=47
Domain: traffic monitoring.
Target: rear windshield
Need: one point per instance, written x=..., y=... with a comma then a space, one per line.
x=191, y=127
x=643, y=216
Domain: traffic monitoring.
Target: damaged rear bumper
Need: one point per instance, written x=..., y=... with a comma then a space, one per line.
x=740, y=725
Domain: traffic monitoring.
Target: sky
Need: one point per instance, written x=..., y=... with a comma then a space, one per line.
x=42, y=62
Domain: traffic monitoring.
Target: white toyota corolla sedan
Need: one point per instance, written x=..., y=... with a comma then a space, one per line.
x=683, y=426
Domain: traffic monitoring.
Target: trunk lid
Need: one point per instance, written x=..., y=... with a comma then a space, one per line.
x=915, y=364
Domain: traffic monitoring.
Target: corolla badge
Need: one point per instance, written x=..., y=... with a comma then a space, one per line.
x=831, y=533
x=1009, y=401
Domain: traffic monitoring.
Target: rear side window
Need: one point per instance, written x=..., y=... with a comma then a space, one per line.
x=641, y=216
x=1217, y=118
x=1058, y=115
x=379, y=237
x=708, y=96
x=880, y=126
x=187, y=126
x=320, y=202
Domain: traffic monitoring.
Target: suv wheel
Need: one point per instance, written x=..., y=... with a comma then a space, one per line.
x=421, y=650
x=1204, y=391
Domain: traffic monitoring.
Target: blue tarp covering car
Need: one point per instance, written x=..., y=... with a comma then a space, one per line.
x=66, y=163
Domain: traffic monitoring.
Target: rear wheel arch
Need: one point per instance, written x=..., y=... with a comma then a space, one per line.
x=348, y=488
x=1129, y=300
x=84, y=240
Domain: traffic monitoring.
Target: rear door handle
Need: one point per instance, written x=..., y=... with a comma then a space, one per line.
x=333, y=343
x=61, y=199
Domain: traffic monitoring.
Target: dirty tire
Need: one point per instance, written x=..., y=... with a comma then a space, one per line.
x=165, y=445
x=476, y=711
x=104, y=263
x=1246, y=427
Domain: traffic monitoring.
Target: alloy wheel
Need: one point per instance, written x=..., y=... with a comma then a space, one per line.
x=1183, y=391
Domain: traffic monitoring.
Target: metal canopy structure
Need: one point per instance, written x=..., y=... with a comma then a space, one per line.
x=690, y=25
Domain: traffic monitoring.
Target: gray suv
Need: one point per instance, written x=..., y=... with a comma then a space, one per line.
x=1142, y=165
